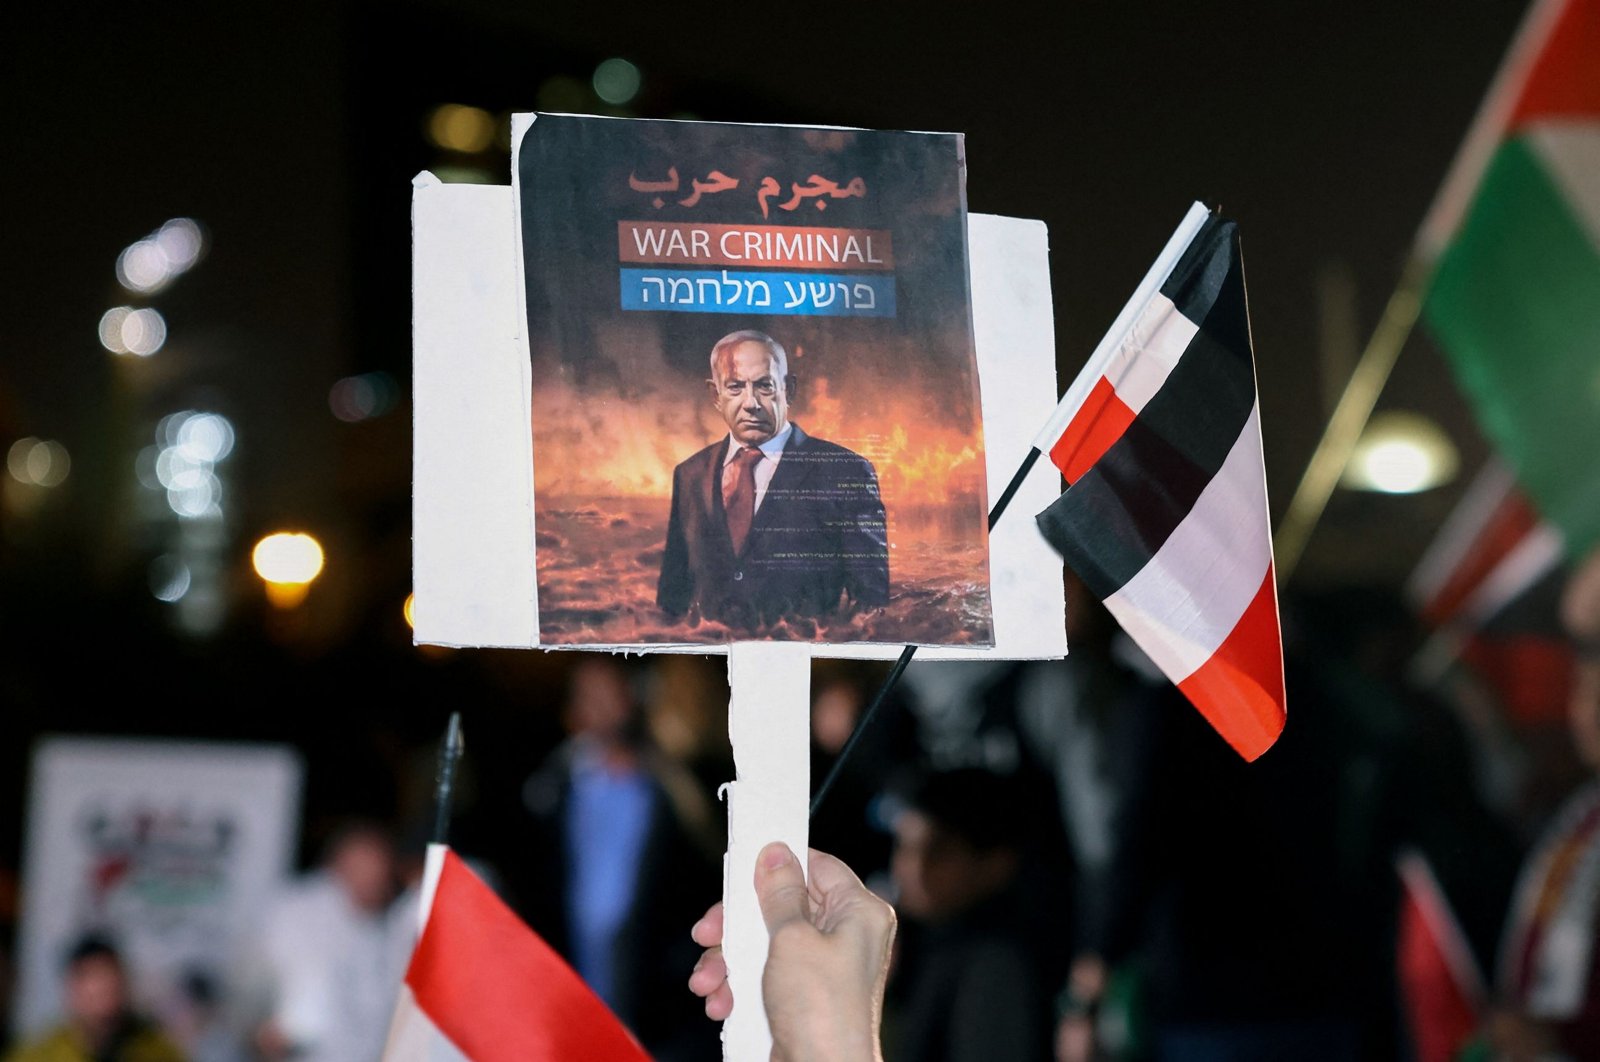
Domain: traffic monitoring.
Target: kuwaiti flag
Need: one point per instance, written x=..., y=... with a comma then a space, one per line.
x=1515, y=240
x=482, y=986
x=1165, y=513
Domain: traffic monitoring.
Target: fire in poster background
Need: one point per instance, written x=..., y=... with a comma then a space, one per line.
x=646, y=242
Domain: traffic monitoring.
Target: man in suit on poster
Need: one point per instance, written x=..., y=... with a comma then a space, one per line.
x=770, y=522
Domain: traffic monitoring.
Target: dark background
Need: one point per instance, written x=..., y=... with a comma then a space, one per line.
x=291, y=132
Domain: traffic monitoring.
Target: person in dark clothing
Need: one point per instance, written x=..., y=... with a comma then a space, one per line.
x=622, y=859
x=967, y=986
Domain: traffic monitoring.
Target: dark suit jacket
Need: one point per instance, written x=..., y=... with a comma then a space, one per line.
x=818, y=545
x=652, y=950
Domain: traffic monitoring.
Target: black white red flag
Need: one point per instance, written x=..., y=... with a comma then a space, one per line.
x=1165, y=514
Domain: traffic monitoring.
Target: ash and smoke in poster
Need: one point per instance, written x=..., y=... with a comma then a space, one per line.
x=645, y=243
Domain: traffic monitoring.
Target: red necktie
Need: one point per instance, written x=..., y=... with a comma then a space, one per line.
x=739, y=496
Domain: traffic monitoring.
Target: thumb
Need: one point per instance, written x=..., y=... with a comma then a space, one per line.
x=781, y=887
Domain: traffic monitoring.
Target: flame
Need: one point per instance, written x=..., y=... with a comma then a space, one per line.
x=612, y=445
x=605, y=450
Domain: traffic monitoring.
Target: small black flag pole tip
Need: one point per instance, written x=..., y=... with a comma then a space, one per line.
x=444, y=781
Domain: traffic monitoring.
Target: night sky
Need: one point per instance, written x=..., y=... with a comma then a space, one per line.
x=291, y=133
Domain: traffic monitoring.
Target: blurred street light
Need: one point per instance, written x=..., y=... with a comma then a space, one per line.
x=1401, y=453
x=125, y=330
x=287, y=562
x=147, y=266
x=457, y=127
x=38, y=462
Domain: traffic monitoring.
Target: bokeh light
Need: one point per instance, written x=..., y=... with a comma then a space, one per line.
x=111, y=329
x=616, y=81
x=38, y=462
x=357, y=398
x=189, y=445
x=409, y=610
x=291, y=558
x=205, y=437
x=17, y=459
x=170, y=578
x=195, y=493
x=142, y=268
x=457, y=127
x=144, y=331
x=147, y=266
x=1401, y=453
x=181, y=242
x=144, y=467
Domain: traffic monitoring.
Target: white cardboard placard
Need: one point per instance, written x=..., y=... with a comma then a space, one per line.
x=473, y=546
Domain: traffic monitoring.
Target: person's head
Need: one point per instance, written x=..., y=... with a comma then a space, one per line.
x=1580, y=613
x=96, y=988
x=751, y=386
x=601, y=705
x=361, y=859
x=955, y=843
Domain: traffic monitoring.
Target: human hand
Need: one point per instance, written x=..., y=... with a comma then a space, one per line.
x=710, y=977
x=827, y=959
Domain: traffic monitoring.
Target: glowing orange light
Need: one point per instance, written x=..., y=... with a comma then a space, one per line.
x=287, y=563
x=456, y=127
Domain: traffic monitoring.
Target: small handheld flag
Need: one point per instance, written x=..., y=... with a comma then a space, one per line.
x=1442, y=993
x=482, y=987
x=1165, y=514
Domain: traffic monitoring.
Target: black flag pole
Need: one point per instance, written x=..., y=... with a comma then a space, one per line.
x=444, y=780
x=911, y=650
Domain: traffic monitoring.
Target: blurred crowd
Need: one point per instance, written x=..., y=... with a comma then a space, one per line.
x=1082, y=869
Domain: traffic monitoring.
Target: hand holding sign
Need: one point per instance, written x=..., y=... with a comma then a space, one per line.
x=829, y=957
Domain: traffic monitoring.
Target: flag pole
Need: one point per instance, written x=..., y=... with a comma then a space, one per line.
x=1377, y=361
x=444, y=781
x=1081, y=385
x=1110, y=343
x=1350, y=417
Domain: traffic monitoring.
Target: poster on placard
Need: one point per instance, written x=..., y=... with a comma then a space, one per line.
x=170, y=849
x=755, y=405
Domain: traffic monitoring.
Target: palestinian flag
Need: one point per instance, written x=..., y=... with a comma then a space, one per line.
x=1165, y=513
x=482, y=986
x=1515, y=296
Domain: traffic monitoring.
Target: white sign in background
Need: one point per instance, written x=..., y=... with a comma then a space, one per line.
x=173, y=849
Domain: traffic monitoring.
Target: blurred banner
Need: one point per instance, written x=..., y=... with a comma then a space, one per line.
x=172, y=850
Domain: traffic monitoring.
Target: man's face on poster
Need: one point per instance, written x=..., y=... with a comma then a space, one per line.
x=751, y=394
